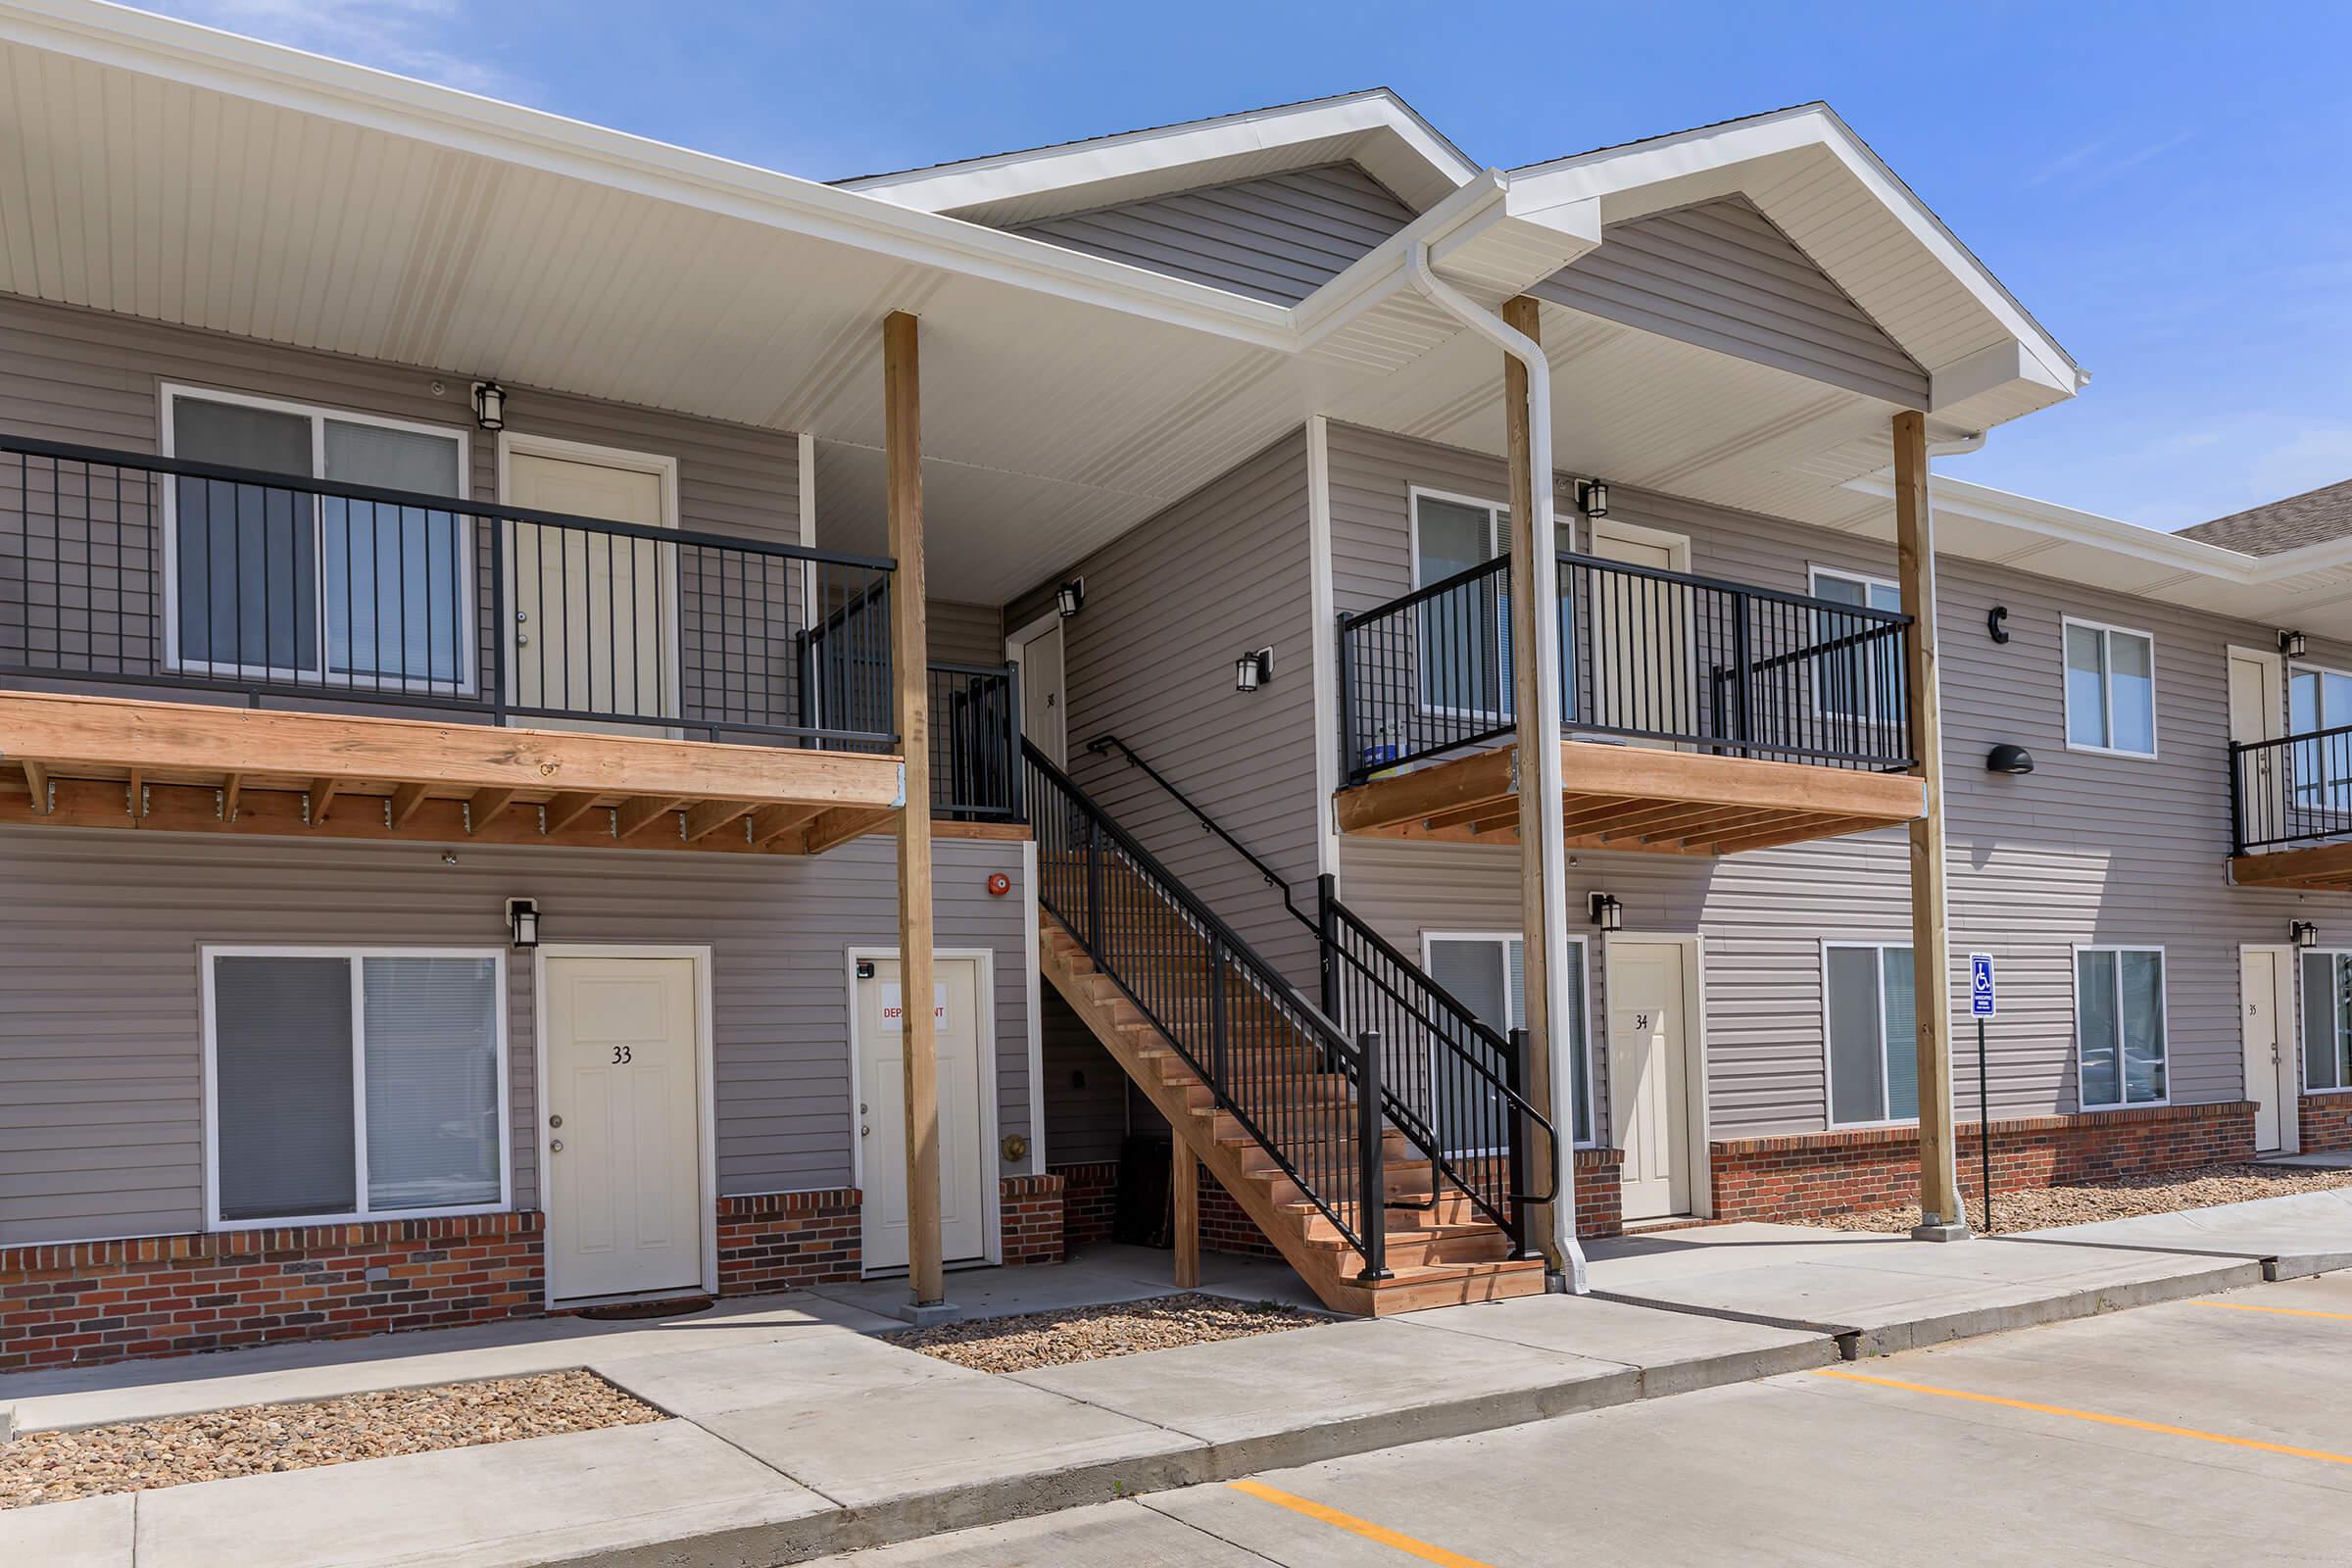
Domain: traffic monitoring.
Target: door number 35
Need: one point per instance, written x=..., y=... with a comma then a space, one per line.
x=620, y=1055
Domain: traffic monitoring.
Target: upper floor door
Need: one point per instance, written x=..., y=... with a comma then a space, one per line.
x=2257, y=713
x=1642, y=626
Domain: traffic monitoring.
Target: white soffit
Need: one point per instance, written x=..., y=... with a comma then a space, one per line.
x=1846, y=210
x=1376, y=129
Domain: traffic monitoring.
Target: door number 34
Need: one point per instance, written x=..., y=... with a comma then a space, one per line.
x=620, y=1055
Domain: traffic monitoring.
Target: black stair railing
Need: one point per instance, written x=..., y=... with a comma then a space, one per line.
x=1450, y=1084
x=1272, y=1061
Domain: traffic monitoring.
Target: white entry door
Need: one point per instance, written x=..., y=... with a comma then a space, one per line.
x=964, y=1154
x=2268, y=1047
x=2258, y=712
x=1042, y=721
x=1649, y=1076
x=624, y=1162
x=1642, y=630
x=594, y=614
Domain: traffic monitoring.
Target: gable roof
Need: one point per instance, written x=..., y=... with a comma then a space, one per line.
x=2312, y=517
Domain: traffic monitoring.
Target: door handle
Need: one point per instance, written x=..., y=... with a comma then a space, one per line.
x=555, y=1148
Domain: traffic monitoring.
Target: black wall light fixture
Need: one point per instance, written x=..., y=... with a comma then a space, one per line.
x=523, y=922
x=1996, y=623
x=2306, y=933
x=2293, y=644
x=490, y=404
x=1607, y=912
x=1070, y=597
x=1593, y=497
x=2007, y=758
x=1254, y=670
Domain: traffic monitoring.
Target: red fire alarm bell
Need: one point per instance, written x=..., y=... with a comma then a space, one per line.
x=998, y=884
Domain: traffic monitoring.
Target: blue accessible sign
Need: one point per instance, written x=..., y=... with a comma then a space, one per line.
x=1979, y=985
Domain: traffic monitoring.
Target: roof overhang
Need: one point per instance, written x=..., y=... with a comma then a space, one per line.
x=1376, y=129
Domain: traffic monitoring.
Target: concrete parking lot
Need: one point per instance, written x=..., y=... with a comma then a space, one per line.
x=2197, y=1432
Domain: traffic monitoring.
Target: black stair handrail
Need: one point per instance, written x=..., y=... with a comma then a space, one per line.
x=1306, y=1141
x=1476, y=1058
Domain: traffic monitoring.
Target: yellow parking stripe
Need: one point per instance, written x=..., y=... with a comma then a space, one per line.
x=2282, y=1311
x=1357, y=1527
x=2099, y=1417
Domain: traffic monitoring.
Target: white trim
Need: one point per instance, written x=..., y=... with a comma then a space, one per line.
x=325, y=680
x=1828, y=1061
x=2303, y=1083
x=1016, y=653
x=1033, y=981
x=705, y=1084
x=2108, y=632
x=984, y=1005
x=2286, y=996
x=1698, y=1111
x=2164, y=999
x=352, y=957
x=2281, y=672
x=1322, y=600
x=664, y=467
x=1583, y=991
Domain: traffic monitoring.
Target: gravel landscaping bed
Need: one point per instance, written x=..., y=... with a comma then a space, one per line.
x=1033, y=1339
x=256, y=1438
x=2037, y=1208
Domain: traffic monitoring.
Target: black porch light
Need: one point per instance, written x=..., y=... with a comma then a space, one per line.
x=1593, y=498
x=1254, y=670
x=1607, y=912
x=2293, y=644
x=490, y=404
x=2008, y=758
x=2306, y=933
x=523, y=922
x=1070, y=597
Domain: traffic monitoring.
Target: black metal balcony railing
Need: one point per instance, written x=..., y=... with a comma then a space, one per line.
x=975, y=742
x=126, y=570
x=1645, y=655
x=2292, y=791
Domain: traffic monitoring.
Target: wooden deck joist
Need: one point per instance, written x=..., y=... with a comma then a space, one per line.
x=2319, y=867
x=1634, y=797
x=88, y=762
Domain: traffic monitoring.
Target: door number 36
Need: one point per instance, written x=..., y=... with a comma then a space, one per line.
x=620, y=1055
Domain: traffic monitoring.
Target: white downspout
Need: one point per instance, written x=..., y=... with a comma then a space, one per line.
x=1553, y=852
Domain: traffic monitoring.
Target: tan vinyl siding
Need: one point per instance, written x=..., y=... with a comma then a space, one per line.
x=964, y=634
x=2088, y=849
x=1278, y=237
x=101, y=1029
x=1721, y=275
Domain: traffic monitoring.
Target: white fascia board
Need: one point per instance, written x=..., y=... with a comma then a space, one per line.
x=1172, y=151
x=208, y=60
x=1690, y=164
x=1379, y=272
x=1989, y=370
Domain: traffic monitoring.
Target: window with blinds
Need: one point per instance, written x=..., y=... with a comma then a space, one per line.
x=354, y=1085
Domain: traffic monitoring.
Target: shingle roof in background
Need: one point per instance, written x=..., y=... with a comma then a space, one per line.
x=2312, y=517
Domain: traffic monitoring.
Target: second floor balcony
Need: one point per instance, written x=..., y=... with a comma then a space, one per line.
x=1696, y=716
x=382, y=654
x=2291, y=810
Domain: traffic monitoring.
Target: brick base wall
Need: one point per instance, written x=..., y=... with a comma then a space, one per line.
x=1599, y=1208
x=1034, y=1224
x=1226, y=1227
x=1090, y=1202
x=789, y=1240
x=87, y=1302
x=2324, y=1122
x=1799, y=1175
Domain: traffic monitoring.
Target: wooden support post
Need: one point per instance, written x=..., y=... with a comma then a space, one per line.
x=903, y=419
x=1941, y=1215
x=1539, y=732
x=1184, y=1221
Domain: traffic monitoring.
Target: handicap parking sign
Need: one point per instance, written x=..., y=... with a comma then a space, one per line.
x=1979, y=985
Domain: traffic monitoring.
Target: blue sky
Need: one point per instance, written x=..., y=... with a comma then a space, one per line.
x=2163, y=185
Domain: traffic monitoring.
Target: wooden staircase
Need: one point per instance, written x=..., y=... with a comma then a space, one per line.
x=1439, y=1250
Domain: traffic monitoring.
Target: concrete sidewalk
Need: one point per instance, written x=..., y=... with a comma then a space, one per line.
x=2293, y=1236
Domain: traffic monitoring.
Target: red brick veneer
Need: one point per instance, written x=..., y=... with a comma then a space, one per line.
x=1797, y=1175
x=1599, y=1211
x=1034, y=1226
x=85, y=1303
x=788, y=1241
x=2324, y=1121
x=1090, y=1202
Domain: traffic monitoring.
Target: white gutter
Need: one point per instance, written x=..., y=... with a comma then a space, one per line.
x=1553, y=849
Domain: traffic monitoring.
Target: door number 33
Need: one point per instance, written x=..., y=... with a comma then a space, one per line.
x=620, y=1055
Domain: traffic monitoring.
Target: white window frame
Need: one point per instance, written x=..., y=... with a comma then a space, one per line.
x=2289, y=674
x=1813, y=576
x=2066, y=698
x=467, y=634
x=2303, y=1083
x=1496, y=543
x=354, y=958
x=2164, y=997
x=1828, y=1061
x=1583, y=991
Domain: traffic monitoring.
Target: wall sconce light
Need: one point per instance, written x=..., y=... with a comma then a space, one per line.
x=2293, y=644
x=523, y=922
x=2008, y=759
x=1607, y=912
x=2306, y=933
x=1252, y=670
x=1070, y=597
x=490, y=404
x=1593, y=498
x=1996, y=623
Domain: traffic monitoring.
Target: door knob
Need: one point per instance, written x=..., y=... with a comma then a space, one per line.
x=555, y=1148
x=865, y=1132
x=557, y=1120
